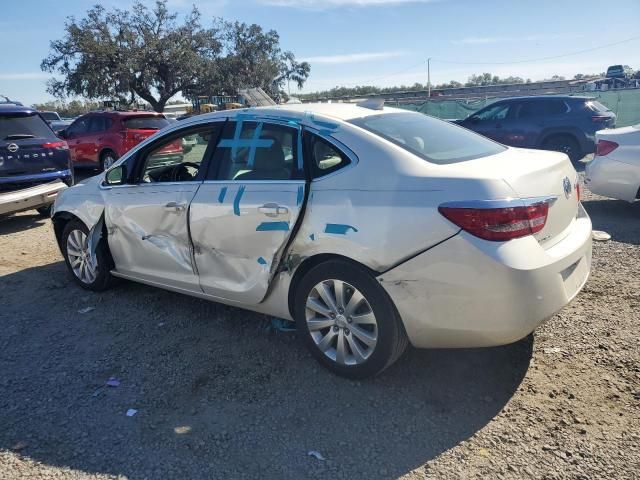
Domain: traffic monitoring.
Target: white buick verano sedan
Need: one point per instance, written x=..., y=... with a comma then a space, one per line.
x=369, y=226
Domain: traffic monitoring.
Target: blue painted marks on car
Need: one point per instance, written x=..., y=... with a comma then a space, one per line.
x=223, y=193
x=262, y=261
x=236, y=201
x=338, y=228
x=238, y=142
x=300, y=195
x=312, y=237
x=273, y=226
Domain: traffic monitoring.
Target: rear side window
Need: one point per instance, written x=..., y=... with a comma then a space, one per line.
x=18, y=126
x=99, y=124
x=250, y=150
x=555, y=106
x=432, y=139
x=325, y=157
x=145, y=123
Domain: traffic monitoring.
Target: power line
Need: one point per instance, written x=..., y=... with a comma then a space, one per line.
x=553, y=57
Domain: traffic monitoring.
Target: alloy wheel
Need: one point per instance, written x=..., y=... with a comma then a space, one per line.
x=341, y=322
x=82, y=262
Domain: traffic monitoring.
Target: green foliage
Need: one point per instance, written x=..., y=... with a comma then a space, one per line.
x=70, y=109
x=147, y=53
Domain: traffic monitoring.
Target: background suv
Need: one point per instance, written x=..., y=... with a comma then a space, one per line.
x=561, y=123
x=98, y=139
x=34, y=163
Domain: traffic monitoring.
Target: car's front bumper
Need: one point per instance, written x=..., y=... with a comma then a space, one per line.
x=468, y=292
x=29, y=198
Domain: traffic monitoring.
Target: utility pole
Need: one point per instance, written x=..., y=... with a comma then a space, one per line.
x=429, y=77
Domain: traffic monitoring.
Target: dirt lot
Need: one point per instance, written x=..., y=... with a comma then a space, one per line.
x=219, y=395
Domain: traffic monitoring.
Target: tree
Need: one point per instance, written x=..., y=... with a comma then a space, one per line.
x=71, y=109
x=148, y=53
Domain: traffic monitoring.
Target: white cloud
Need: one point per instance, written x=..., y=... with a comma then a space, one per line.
x=328, y=4
x=24, y=76
x=523, y=38
x=353, y=57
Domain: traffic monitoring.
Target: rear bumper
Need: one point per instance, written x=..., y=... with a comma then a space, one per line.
x=29, y=198
x=611, y=178
x=467, y=292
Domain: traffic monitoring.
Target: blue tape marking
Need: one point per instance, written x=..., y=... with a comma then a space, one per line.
x=236, y=201
x=338, y=228
x=312, y=237
x=237, y=142
x=262, y=261
x=300, y=195
x=300, y=165
x=272, y=226
x=223, y=192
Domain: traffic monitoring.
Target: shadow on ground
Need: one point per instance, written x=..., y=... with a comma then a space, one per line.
x=614, y=217
x=219, y=395
x=21, y=223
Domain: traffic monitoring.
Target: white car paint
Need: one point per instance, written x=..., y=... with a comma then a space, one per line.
x=452, y=289
x=617, y=174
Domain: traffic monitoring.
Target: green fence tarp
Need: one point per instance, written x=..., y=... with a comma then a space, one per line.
x=624, y=103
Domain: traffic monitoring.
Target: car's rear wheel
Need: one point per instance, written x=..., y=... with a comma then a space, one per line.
x=107, y=159
x=565, y=144
x=89, y=270
x=348, y=321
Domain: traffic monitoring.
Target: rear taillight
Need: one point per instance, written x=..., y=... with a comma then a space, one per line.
x=60, y=145
x=499, y=224
x=600, y=118
x=605, y=147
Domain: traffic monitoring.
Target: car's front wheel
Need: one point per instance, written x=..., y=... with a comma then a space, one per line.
x=348, y=321
x=89, y=270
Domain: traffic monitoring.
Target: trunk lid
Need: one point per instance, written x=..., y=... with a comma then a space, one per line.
x=535, y=174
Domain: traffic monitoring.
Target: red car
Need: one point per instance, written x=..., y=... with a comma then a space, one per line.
x=98, y=139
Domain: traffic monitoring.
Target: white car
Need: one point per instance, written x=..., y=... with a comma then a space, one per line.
x=615, y=170
x=371, y=227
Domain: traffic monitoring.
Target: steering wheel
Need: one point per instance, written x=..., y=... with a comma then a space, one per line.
x=181, y=169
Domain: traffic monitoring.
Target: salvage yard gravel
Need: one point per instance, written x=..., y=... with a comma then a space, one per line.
x=217, y=392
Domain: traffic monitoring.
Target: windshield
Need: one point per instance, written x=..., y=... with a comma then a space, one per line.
x=20, y=126
x=146, y=123
x=50, y=115
x=432, y=139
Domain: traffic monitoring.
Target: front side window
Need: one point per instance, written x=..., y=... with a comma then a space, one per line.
x=79, y=127
x=177, y=158
x=250, y=150
x=432, y=139
x=494, y=112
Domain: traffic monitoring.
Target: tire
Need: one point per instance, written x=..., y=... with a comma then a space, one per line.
x=565, y=144
x=45, y=211
x=99, y=278
x=322, y=332
x=107, y=159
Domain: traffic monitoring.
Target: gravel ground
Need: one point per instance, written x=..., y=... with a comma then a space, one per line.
x=219, y=395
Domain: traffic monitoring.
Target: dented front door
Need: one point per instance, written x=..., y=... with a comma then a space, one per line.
x=244, y=213
x=148, y=234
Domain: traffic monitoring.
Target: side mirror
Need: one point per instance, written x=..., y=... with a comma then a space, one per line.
x=116, y=176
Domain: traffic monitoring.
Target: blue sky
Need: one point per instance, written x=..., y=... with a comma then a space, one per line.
x=380, y=42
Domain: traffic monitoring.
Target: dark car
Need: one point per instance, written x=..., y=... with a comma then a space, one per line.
x=619, y=71
x=98, y=139
x=34, y=163
x=561, y=123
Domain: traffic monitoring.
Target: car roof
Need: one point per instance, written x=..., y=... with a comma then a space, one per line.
x=13, y=108
x=337, y=111
x=125, y=113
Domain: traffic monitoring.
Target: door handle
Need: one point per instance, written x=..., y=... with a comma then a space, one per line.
x=273, y=209
x=175, y=207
